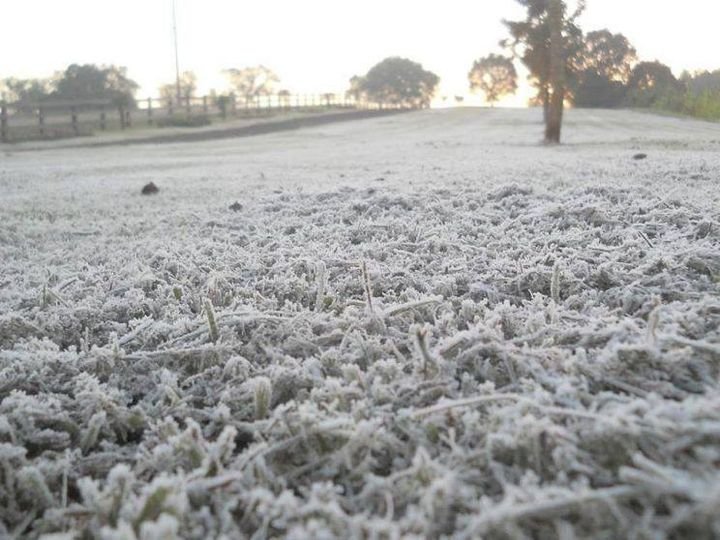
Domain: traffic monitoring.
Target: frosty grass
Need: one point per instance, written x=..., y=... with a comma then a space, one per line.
x=419, y=327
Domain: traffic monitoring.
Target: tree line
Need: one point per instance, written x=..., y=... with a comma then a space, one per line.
x=91, y=83
x=566, y=65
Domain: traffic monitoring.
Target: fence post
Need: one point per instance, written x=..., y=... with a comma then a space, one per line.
x=205, y=105
x=150, y=111
x=41, y=121
x=121, y=113
x=188, y=106
x=103, y=118
x=170, y=107
x=74, y=120
x=3, y=122
x=128, y=119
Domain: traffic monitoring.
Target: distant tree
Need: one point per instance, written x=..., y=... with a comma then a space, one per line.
x=25, y=93
x=603, y=66
x=90, y=82
x=495, y=76
x=251, y=82
x=397, y=81
x=702, y=96
x=188, y=87
x=702, y=81
x=608, y=55
x=531, y=41
x=651, y=82
x=356, y=90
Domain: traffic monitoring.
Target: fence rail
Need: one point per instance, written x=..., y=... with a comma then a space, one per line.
x=57, y=119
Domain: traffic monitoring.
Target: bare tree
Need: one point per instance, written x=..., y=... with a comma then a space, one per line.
x=252, y=82
x=495, y=76
x=188, y=87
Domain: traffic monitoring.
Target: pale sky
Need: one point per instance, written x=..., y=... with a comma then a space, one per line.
x=317, y=45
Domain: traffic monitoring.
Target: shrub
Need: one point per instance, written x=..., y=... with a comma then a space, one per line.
x=184, y=121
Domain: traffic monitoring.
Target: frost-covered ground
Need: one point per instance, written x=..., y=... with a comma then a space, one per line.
x=418, y=326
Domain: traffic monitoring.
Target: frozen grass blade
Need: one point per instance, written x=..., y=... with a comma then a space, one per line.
x=367, y=286
x=321, y=280
x=420, y=335
x=212, y=324
x=555, y=283
x=262, y=397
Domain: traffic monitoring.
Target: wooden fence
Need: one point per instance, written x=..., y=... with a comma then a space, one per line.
x=56, y=119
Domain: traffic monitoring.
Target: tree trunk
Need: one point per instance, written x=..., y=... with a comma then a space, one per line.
x=553, y=123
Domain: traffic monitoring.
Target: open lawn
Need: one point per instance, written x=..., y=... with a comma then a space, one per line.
x=419, y=326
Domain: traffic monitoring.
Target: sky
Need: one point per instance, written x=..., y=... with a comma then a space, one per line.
x=317, y=45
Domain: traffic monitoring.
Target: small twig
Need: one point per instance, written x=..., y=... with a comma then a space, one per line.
x=49, y=293
x=640, y=233
x=216, y=482
x=226, y=320
x=401, y=308
x=703, y=346
x=505, y=397
x=172, y=353
x=127, y=338
x=464, y=403
x=65, y=284
x=422, y=347
x=551, y=508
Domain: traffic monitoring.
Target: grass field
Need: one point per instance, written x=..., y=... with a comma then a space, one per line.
x=420, y=326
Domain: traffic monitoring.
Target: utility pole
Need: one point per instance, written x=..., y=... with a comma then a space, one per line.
x=177, y=57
